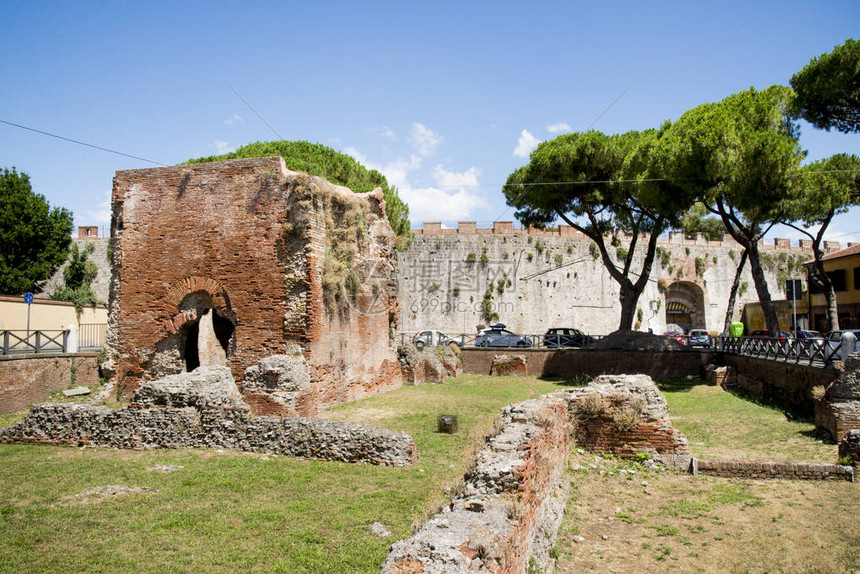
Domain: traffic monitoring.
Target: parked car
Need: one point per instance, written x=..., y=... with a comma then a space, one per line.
x=834, y=338
x=765, y=334
x=700, y=338
x=804, y=335
x=496, y=337
x=566, y=337
x=430, y=338
x=677, y=335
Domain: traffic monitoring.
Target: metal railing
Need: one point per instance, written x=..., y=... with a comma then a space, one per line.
x=91, y=336
x=34, y=342
x=811, y=352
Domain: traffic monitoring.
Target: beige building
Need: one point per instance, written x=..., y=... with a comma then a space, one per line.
x=48, y=315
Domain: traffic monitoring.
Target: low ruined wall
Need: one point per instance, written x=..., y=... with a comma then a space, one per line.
x=234, y=428
x=764, y=470
x=624, y=415
x=29, y=379
x=786, y=383
x=511, y=504
x=837, y=417
x=579, y=362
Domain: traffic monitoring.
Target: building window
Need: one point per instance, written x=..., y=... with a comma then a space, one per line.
x=838, y=279
x=857, y=278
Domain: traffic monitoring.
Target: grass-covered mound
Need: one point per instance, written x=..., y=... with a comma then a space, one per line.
x=336, y=167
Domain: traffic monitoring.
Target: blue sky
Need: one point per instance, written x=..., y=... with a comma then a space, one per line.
x=445, y=98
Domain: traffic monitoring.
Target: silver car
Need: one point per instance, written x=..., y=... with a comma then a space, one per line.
x=431, y=338
x=700, y=338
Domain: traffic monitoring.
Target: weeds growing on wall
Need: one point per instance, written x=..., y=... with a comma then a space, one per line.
x=618, y=409
x=346, y=219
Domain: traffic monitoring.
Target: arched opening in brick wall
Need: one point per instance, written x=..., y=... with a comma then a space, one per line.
x=208, y=337
x=685, y=307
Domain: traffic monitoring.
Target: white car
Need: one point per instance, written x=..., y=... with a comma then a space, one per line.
x=431, y=338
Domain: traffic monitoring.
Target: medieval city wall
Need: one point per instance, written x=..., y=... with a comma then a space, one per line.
x=557, y=279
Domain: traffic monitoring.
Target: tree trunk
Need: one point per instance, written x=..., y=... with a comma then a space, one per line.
x=733, y=294
x=832, y=308
x=819, y=275
x=628, y=297
x=770, y=318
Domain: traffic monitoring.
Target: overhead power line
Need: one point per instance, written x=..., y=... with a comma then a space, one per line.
x=59, y=137
x=253, y=110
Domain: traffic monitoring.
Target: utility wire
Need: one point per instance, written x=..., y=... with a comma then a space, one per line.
x=550, y=166
x=82, y=143
x=253, y=110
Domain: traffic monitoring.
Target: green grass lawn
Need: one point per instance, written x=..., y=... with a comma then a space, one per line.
x=728, y=426
x=228, y=511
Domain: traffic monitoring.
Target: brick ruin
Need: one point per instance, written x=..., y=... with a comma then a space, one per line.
x=230, y=263
x=838, y=411
x=624, y=415
x=506, y=514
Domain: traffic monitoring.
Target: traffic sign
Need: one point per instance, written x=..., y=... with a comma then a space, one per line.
x=28, y=298
x=793, y=290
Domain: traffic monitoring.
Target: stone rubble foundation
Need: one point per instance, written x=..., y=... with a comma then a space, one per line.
x=180, y=412
x=511, y=505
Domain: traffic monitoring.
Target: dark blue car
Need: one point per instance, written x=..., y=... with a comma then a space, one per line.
x=498, y=337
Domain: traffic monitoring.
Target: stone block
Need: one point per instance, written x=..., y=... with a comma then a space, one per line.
x=205, y=387
x=278, y=373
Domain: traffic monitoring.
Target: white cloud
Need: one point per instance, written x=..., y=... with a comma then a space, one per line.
x=395, y=172
x=222, y=146
x=101, y=215
x=434, y=204
x=526, y=144
x=385, y=132
x=558, y=128
x=424, y=139
x=234, y=119
x=445, y=178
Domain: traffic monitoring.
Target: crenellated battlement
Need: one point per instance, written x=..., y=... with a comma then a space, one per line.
x=672, y=238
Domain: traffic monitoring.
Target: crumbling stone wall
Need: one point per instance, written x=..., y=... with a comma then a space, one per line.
x=624, y=415
x=773, y=470
x=849, y=446
x=430, y=364
x=281, y=262
x=204, y=409
x=510, y=506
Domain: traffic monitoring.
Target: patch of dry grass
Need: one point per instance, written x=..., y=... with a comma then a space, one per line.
x=654, y=521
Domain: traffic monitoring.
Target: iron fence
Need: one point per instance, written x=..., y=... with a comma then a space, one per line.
x=34, y=342
x=810, y=352
x=91, y=336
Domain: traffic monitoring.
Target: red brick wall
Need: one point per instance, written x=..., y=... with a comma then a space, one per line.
x=252, y=236
x=576, y=362
x=28, y=380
